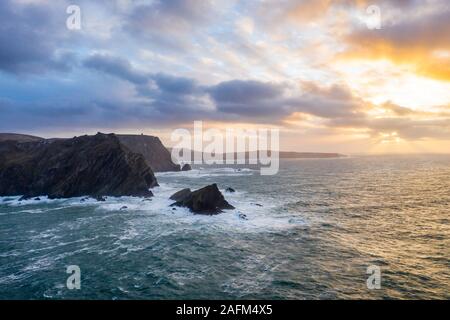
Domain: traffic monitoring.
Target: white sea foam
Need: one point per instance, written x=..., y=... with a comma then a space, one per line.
x=210, y=172
x=261, y=212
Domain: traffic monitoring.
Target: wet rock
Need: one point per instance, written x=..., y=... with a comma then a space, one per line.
x=123, y=208
x=243, y=216
x=231, y=190
x=180, y=195
x=63, y=168
x=37, y=199
x=100, y=199
x=186, y=167
x=208, y=201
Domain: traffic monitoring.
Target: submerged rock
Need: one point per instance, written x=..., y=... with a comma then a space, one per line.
x=208, y=200
x=123, y=208
x=231, y=190
x=186, y=167
x=93, y=166
x=180, y=195
x=243, y=216
x=100, y=199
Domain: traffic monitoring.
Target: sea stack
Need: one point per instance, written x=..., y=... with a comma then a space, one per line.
x=208, y=201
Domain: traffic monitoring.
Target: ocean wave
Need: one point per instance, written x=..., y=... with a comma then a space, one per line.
x=261, y=214
x=253, y=213
x=210, y=172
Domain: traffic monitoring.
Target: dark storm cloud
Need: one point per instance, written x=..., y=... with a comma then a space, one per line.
x=245, y=99
x=327, y=102
x=250, y=99
x=115, y=66
x=30, y=39
x=165, y=95
x=177, y=85
x=238, y=91
x=258, y=99
x=122, y=68
x=168, y=97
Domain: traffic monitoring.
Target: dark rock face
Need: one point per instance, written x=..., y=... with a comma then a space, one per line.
x=186, y=167
x=93, y=166
x=180, y=195
x=154, y=152
x=208, y=200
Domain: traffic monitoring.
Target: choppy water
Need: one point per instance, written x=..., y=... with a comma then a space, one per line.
x=321, y=224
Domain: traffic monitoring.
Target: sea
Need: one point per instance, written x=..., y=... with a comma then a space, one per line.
x=360, y=227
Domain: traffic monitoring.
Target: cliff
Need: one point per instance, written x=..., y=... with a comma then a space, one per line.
x=154, y=152
x=18, y=137
x=83, y=166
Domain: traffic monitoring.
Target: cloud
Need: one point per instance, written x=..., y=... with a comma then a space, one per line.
x=419, y=41
x=164, y=98
x=160, y=63
x=244, y=100
x=239, y=91
x=115, y=66
x=168, y=24
x=30, y=41
x=406, y=127
x=176, y=85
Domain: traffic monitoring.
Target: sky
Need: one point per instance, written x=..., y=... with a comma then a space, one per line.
x=330, y=75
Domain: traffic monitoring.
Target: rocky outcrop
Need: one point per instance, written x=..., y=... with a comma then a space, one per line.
x=208, y=200
x=180, y=195
x=186, y=167
x=154, y=152
x=93, y=166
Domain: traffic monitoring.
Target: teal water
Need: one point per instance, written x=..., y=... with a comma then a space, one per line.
x=311, y=233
